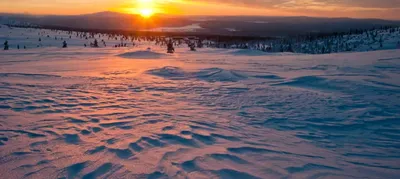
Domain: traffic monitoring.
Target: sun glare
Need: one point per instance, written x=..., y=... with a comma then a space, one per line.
x=145, y=8
x=146, y=12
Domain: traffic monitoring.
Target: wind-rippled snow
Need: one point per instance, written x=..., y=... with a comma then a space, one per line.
x=90, y=113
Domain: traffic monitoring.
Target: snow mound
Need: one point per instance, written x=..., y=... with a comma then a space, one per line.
x=218, y=74
x=209, y=74
x=269, y=77
x=318, y=83
x=247, y=52
x=168, y=72
x=142, y=55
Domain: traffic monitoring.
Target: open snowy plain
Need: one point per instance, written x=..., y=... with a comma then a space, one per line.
x=215, y=113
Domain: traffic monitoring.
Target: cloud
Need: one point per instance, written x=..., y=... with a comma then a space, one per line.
x=353, y=8
x=304, y=3
x=330, y=8
x=319, y=5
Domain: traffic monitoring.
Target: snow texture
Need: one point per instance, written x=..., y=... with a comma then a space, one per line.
x=215, y=113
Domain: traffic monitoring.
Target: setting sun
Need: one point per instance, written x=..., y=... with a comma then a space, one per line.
x=145, y=8
x=146, y=12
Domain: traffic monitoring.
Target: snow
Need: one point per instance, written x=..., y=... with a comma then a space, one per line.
x=148, y=54
x=136, y=112
x=259, y=22
x=356, y=41
x=188, y=28
x=232, y=29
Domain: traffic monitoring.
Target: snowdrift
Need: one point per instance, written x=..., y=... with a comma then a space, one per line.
x=209, y=74
x=143, y=55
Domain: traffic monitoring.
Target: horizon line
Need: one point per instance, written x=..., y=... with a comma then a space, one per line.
x=184, y=15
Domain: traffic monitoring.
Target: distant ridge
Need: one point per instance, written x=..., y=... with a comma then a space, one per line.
x=217, y=25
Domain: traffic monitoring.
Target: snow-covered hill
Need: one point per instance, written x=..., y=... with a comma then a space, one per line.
x=356, y=41
x=137, y=112
x=379, y=39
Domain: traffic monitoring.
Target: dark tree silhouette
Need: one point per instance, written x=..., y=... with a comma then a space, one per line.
x=170, y=47
x=6, y=45
x=64, y=44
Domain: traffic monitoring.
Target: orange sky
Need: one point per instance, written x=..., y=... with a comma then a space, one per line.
x=328, y=8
